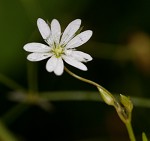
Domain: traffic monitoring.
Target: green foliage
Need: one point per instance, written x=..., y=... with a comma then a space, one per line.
x=121, y=64
x=5, y=134
x=144, y=138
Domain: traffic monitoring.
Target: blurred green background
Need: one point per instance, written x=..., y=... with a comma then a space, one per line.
x=120, y=47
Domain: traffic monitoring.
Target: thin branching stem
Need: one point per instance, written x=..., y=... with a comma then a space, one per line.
x=32, y=78
x=86, y=80
x=10, y=83
x=116, y=105
x=5, y=134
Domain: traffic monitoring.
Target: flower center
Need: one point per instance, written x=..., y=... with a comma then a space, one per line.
x=58, y=51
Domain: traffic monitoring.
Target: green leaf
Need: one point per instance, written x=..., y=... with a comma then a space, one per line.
x=144, y=138
x=5, y=134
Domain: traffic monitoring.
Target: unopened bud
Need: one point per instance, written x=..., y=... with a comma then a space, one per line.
x=126, y=102
x=106, y=96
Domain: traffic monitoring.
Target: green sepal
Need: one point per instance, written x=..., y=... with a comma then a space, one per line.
x=126, y=102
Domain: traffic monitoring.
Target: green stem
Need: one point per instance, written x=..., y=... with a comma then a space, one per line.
x=87, y=95
x=10, y=83
x=32, y=78
x=110, y=100
x=106, y=95
x=14, y=113
x=86, y=80
x=5, y=134
x=130, y=131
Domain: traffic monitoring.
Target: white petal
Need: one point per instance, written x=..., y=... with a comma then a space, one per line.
x=81, y=56
x=36, y=47
x=70, y=31
x=80, y=39
x=38, y=56
x=56, y=30
x=43, y=28
x=51, y=64
x=71, y=61
x=60, y=67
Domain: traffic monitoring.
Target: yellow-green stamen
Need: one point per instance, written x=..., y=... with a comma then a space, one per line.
x=58, y=51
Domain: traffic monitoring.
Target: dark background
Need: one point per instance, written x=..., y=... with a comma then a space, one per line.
x=120, y=47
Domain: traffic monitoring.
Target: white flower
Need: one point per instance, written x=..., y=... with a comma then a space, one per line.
x=61, y=46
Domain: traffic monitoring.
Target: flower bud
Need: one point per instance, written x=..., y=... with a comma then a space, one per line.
x=126, y=102
x=106, y=96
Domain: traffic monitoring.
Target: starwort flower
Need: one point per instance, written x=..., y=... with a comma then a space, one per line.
x=61, y=46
